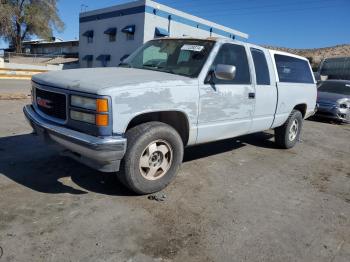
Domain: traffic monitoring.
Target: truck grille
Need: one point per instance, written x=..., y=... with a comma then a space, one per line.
x=52, y=104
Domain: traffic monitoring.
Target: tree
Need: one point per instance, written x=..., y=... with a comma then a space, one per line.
x=22, y=19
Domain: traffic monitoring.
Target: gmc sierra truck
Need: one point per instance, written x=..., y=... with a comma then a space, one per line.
x=169, y=94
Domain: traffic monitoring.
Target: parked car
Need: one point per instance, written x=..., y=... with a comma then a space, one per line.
x=169, y=94
x=333, y=100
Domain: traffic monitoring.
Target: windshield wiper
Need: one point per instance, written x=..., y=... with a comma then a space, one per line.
x=153, y=66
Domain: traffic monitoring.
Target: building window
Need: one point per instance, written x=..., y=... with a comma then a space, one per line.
x=89, y=60
x=161, y=32
x=104, y=59
x=130, y=37
x=112, y=34
x=112, y=38
x=89, y=63
x=130, y=32
x=89, y=35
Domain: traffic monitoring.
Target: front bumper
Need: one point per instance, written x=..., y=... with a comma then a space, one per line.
x=101, y=153
x=333, y=112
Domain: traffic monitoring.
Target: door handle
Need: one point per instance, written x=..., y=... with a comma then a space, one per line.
x=251, y=95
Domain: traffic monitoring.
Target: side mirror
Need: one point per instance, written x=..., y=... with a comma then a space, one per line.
x=225, y=72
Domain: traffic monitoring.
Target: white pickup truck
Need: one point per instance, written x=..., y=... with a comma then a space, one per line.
x=169, y=94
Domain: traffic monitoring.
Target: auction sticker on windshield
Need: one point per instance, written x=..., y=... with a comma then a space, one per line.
x=194, y=48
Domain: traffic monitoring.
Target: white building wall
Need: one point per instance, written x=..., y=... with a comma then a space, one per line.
x=101, y=44
x=147, y=18
x=176, y=29
x=183, y=24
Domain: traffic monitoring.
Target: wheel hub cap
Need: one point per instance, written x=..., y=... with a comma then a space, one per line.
x=156, y=160
x=293, y=131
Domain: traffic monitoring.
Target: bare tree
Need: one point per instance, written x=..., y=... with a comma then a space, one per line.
x=22, y=19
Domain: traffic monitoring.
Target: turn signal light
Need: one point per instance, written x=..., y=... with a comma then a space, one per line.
x=102, y=105
x=102, y=120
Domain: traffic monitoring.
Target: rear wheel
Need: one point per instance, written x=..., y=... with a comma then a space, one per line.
x=153, y=158
x=288, y=135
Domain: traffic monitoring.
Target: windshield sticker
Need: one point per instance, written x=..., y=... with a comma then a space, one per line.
x=194, y=48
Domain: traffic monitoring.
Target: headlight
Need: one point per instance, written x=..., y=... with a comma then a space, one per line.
x=344, y=103
x=83, y=117
x=83, y=102
x=98, y=105
x=95, y=119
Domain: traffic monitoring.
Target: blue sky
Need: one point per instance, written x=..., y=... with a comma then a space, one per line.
x=287, y=23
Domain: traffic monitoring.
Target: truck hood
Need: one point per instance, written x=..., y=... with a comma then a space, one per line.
x=93, y=80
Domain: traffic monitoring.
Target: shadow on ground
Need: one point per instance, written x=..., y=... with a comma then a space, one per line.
x=326, y=120
x=28, y=161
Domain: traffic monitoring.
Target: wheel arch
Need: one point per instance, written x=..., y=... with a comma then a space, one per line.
x=175, y=118
x=302, y=107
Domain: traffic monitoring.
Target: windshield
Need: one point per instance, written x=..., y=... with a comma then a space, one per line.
x=334, y=87
x=176, y=56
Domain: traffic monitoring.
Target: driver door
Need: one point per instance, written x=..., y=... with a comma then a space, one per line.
x=226, y=106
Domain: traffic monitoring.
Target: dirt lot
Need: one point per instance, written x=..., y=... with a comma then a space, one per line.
x=235, y=200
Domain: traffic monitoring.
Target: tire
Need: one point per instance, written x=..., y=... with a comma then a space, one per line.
x=150, y=146
x=288, y=135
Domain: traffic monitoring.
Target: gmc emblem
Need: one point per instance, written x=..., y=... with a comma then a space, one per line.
x=44, y=102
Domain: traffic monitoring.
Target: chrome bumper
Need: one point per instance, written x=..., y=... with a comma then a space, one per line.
x=335, y=113
x=103, y=154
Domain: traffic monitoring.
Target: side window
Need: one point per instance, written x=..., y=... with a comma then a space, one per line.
x=293, y=70
x=261, y=68
x=235, y=55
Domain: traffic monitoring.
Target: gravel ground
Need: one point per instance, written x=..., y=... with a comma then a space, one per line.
x=235, y=200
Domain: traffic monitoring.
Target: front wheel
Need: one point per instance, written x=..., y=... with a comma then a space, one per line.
x=288, y=135
x=153, y=157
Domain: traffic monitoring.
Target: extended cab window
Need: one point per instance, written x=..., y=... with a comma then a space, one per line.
x=261, y=68
x=293, y=70
x=235, y=55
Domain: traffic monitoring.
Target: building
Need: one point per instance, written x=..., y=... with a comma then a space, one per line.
x=54, y=46
x=108, y=35
x=45, y=52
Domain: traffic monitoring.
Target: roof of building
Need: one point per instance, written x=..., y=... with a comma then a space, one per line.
x=55, y=40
